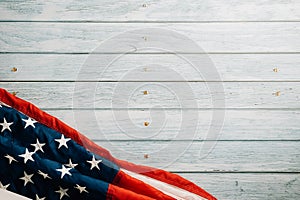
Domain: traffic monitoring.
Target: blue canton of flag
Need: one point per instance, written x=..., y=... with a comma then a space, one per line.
x=40, y=163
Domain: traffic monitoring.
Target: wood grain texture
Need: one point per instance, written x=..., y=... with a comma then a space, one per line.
x=151, y=10
x=163, y=95
x=211, y=37
x=231, y=67
x=129, y=124
x=221, y=156
x=254, y=46
x=249, y=186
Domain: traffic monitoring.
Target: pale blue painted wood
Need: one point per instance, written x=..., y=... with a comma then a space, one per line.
x=89, y=95
x=249, y=37
x=221, y=156
x=269, y=124
x=231, y=67
x=153, y=10
x=253, y=44
x=239, y=186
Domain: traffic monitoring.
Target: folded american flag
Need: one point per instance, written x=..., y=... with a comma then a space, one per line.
x=43, y=158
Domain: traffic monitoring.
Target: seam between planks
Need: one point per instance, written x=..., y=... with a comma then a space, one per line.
x=149, y=81
x=234, y=172
x=148, y=21
x=162, y=108
x=145, y=53
x=197, y=140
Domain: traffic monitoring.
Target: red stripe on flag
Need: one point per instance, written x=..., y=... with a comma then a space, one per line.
x=54, y=123
x=122, y=180
x=116, y=193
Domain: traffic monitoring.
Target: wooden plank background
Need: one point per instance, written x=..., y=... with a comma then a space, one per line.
x=254, y=45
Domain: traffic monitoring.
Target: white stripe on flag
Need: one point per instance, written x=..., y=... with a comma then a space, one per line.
x=171, y=190
x=7, y=195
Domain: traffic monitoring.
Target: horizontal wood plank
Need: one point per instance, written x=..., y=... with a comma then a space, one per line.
x=167, y=37
x=159, y=95
x=249, y=186
x=167, y=124
x=190, y=10
x=231, y=67
x=232, y=156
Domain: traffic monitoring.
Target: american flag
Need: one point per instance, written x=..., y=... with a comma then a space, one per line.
x=43, y=158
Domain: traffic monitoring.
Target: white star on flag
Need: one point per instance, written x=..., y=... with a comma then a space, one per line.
x=81, y=189
x=62, y=141
x=27, y=178
x=70, y=164
x=27, y=155
x=38, y=146
x=4, y=187
x=94, y=163
x=29, y=122
x=62, y=192
x=10, y=158
x=44, y=175
x=64, y=171
x=5, y=125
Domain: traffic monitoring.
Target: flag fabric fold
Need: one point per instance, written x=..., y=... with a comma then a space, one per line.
x=43, y=158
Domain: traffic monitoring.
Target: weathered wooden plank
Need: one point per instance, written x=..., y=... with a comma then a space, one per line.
x=129, y=124
x=231, y=67
x=249, y=186
x=187, y=37
x=160, y=95
x=150, y=10
x=268, y=156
